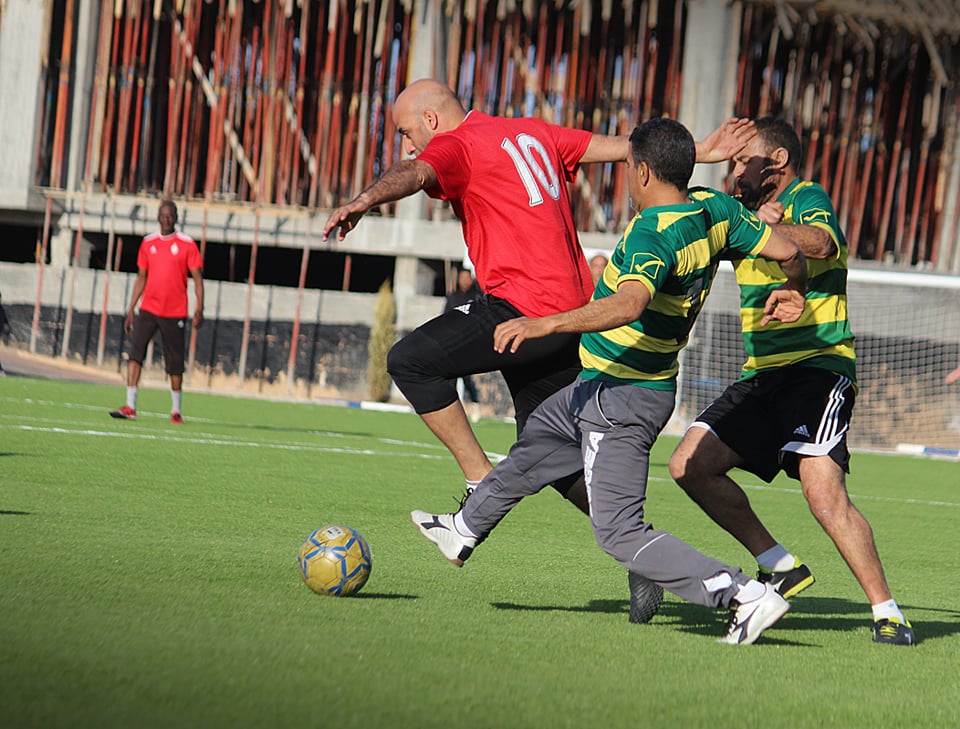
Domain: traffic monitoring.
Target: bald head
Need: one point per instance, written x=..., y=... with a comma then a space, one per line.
x=423, y=109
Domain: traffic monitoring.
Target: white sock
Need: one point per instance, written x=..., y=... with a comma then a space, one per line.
x=132, y=397
x=176, y=396
x=461, y=526
x=777, y=559
x=888, y=609
x=720, y=581
x=471, y=485
x=749, y=592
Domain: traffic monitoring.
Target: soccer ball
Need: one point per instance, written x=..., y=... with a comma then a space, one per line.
x=335, y=560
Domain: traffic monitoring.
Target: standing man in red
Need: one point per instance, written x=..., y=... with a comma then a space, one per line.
x=163, y=263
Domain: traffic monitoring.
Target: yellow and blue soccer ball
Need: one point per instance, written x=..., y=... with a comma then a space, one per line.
x=335, y=560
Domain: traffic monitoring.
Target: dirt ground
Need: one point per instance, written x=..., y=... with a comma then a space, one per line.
x=17, y=362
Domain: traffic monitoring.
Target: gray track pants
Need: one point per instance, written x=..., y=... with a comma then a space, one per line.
x=608, y=430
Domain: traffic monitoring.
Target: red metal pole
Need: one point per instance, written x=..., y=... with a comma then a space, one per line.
x=99, y=91
x=191, y=357
x=105, y=310
x=63, y=92
x=251, y=288
x=301, y=283
x=72, y=285
x=41, y=267
x=141, y=82
x=107, y=143
x=127, y=71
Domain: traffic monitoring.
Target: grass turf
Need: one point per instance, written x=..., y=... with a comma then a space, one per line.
x=148, y=578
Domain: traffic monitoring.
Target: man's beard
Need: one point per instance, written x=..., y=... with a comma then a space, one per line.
x=752, y=198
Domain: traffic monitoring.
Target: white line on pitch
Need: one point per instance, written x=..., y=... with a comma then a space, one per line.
x=215, y=441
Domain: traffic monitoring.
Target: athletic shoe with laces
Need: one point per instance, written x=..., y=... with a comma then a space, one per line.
x=440, y=530
x=892, y=631
x=749, y=619
x=789, y=583
x=176, y=418
x=645, y=598
x=125, y=413
x=462, y=501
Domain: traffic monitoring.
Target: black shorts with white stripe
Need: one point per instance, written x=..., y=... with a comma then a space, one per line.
x=776, y=415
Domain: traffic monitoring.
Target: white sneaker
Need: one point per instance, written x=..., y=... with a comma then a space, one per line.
x=748, y=620
x=439, y=529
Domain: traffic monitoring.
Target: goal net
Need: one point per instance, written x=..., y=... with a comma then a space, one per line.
x=907, y=339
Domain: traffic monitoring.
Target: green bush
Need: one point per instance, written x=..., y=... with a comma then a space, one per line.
x=383, y=332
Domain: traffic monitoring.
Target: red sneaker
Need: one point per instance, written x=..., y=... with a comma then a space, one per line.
x=126, y=413
x=176, y=418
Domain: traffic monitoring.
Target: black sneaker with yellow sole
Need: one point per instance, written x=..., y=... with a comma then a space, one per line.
x=893, y=631
x=788, y=583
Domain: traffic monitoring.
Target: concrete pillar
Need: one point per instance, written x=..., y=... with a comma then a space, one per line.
x=709, y=74
x=88, y=26
x=408, y=279
x=61, y=247
x=948, y=245
x=24, y=23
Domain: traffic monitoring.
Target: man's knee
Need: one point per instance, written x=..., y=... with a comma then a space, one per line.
x=826, y=497
x=687, y=466
x=413, y=363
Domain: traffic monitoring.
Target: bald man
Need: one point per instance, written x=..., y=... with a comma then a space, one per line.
x=507, y=181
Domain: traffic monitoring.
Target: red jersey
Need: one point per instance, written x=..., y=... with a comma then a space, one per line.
x=168, y=260
x=507, y=182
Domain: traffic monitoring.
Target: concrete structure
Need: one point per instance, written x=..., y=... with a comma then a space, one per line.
x=408, y=237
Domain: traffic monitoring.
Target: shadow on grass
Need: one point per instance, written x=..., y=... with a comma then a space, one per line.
x=288, y=429
x=6, y=512
x=828, y=614
x=382, y=596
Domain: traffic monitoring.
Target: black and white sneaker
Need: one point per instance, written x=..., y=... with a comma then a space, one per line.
x=749, y=619
x=440, y=530
x=788, y=583
x=646, y=597
x=893, y=632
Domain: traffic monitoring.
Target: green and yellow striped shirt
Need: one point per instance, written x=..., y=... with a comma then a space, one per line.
x=673, y=250
x=822, y=337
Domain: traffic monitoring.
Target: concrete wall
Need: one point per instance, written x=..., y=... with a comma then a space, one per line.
x=25, y=25
x=331, y=345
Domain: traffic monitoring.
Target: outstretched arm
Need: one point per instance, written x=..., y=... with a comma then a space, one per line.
x=721, y=144
x=404, y=178
x=610, y=312
x=786, y=303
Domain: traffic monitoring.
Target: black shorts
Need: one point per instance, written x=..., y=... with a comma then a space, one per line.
x=774, y=417
x=426, y=363
x=172, y=334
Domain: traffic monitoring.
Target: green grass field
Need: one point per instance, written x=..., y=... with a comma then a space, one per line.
x=148, y=578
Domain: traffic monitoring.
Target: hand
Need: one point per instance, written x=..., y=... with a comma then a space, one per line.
x=516, y=331
x=784, y=304
x=197, y=319
x=953, y=376
x=346, y=218
x=771, y=213
x=128, y=324
x=725, y=141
